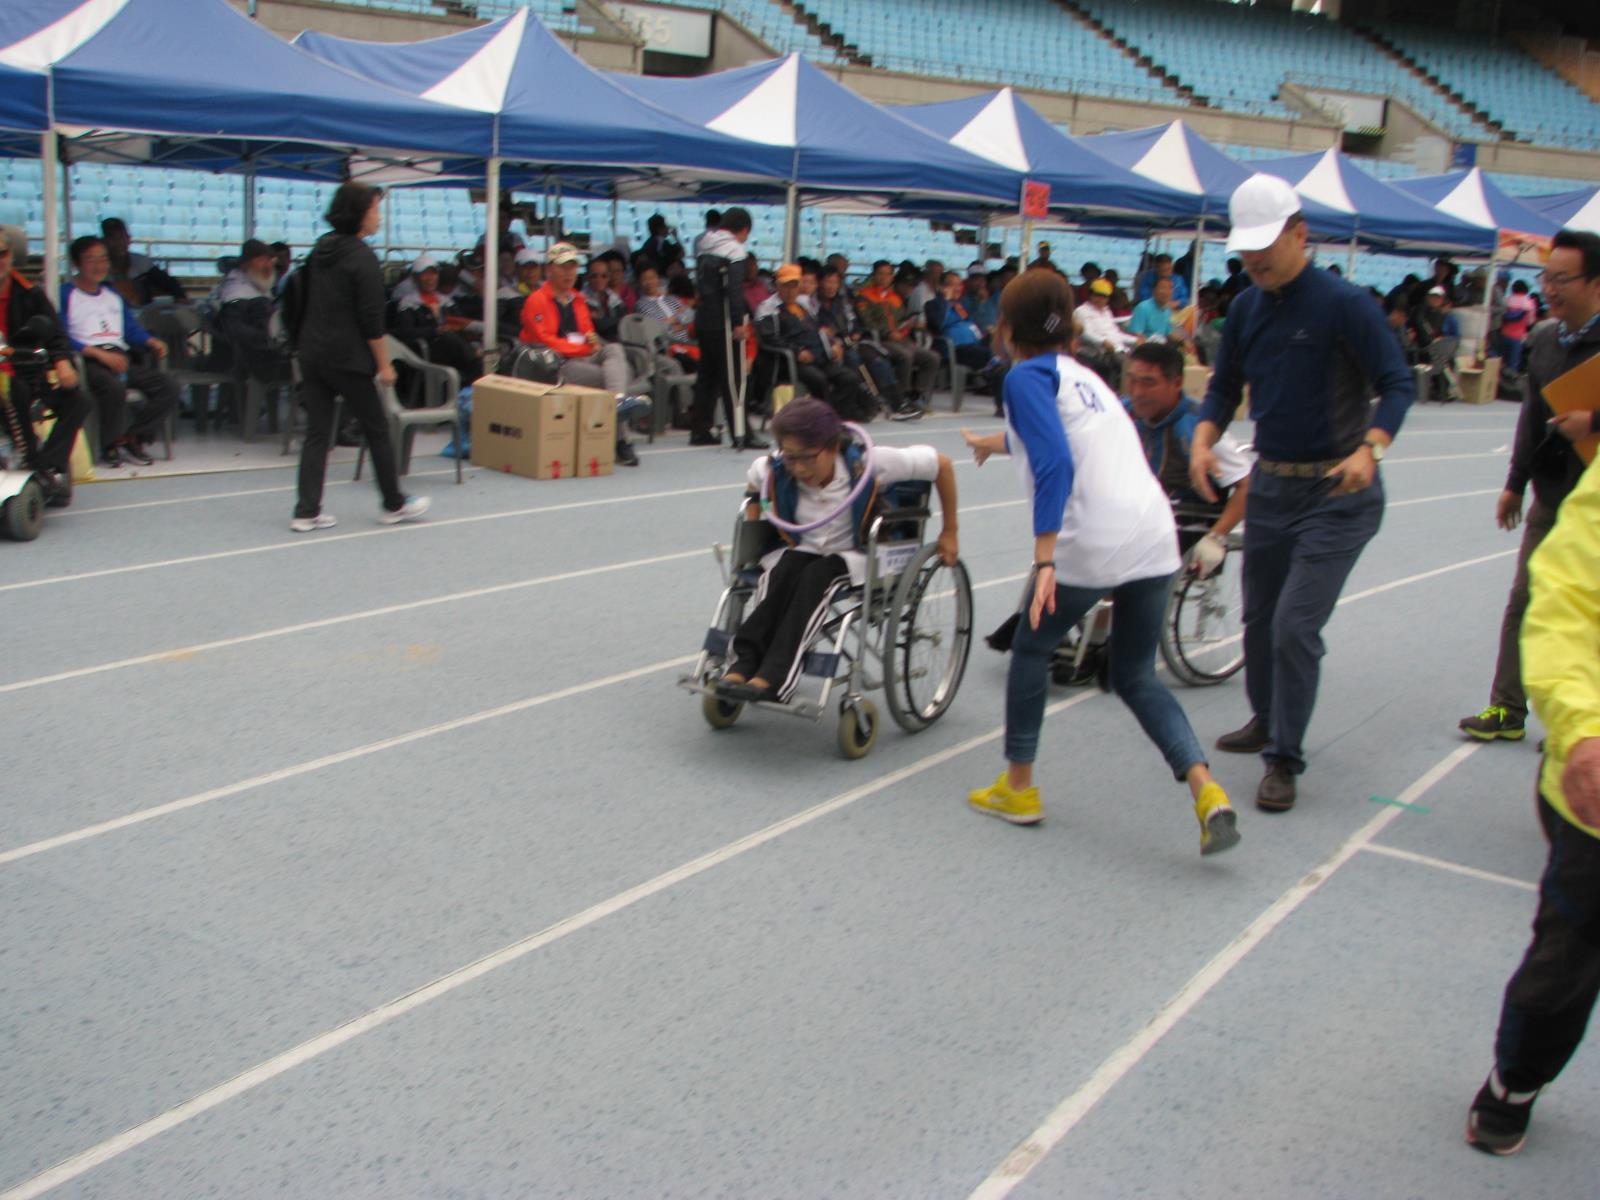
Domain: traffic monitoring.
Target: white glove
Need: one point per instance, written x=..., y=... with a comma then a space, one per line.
x=1207, y=555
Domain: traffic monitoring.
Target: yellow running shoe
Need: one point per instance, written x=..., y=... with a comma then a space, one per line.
x=1020, y=808
x=1219, y=828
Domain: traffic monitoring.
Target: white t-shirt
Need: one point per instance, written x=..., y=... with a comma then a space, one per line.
x=1101, y=328
x=890, y=465
x=96, y=320
x=1083, y=463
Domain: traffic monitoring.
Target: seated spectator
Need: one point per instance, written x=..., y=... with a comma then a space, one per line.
x=118, y=354
x=1161, y=268
x=135, y=276
x=246, y=303
x=530, y=271
x=605, y=306
x=1090, y=272
x=841, y=264
x=425, y=319
x=1121, y=304
x=1152, y=317
x=1236, y=281
x=661, y=247
x=1101, y=333
x=1440, y=336
x=929, y=286
x=673, y=305
x=1044, y=260
x=757, y=290
x=822, y=369
x=1515, y=325
x=985, y=301
x=21, y=302
x=617, y=278
x=841, y=326
x=1209, y=314
x=557, y=316
x=282, y=264
x=882, y=307
x=949, y=317
x=810, y=268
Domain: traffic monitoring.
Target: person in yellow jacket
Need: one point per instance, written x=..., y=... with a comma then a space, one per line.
x=1549, y=999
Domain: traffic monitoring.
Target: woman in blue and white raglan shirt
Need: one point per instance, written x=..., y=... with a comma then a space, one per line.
x=1102, y=526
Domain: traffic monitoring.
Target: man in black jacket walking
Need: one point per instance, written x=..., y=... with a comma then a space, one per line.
x=721, y=322
x=1543, y=455
x=341, y=342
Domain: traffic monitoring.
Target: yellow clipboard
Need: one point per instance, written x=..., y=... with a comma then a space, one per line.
x=1578, y=389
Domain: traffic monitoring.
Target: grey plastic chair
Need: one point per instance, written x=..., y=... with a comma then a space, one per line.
x=669, y=380
x=441, y=386
x=180, y=327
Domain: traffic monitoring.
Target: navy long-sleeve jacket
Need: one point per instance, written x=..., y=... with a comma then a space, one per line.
x=1314, y=353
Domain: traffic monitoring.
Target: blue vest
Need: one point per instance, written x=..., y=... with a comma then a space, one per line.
x=784, y=493
x=1173, y=432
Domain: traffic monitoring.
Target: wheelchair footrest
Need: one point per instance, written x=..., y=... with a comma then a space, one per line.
x=719, y=642
x=821, y=664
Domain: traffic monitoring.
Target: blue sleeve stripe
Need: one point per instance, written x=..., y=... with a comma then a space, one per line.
x=1031, y=389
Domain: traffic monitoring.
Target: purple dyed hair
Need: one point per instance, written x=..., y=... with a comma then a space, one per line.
x=809, y=421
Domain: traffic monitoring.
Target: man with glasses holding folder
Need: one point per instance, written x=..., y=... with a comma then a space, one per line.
x=1544, y=454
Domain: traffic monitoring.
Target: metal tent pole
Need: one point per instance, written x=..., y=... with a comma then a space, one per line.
x=491, y=271
x=52, y=216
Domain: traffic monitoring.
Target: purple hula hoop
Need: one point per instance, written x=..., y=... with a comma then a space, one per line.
x=844, y=506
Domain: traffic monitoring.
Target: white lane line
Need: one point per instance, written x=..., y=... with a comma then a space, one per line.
x=97, y=1155
x=1032, y=1151
x=1427, y=860
x=183, y=653
x=332, y=760
x=1391, y=462
x=1408, y=433
x=328, y=539
x=266, y=491
x=1446, y=496
x=1421, y=575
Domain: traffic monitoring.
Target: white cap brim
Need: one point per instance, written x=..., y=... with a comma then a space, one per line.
x=1255, y=237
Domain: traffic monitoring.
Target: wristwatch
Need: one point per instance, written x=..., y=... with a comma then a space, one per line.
x=1378, y=449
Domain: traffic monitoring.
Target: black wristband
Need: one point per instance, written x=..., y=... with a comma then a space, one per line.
x=1043, y=565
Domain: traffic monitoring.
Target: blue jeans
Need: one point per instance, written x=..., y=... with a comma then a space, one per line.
x=1137, y=610
x=1300, y=544
x=1511, y=351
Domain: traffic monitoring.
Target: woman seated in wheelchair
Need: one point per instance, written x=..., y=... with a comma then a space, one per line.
x=814, y=470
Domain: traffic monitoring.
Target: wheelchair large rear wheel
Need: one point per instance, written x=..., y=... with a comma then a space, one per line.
x=926, y=641
x=1202, y=638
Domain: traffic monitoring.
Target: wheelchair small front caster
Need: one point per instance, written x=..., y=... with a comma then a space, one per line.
x=858, y=728
x=22, y=515
x=720, y=713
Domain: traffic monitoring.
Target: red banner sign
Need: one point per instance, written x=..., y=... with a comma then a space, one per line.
x=1035, y=200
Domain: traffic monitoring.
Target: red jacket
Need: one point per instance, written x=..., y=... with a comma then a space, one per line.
x=541, y=319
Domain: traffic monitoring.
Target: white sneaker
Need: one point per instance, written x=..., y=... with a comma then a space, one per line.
x=413, y=508
x=309, y=524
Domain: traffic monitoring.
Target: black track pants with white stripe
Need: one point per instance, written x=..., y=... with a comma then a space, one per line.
x=791, y=605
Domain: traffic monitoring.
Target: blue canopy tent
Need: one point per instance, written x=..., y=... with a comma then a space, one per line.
x=1571, y=210
x=1473, y=197
x=1005, y=129
x=1369, y=211
x=836, y=140
x=1178, y=158
x=153, y=81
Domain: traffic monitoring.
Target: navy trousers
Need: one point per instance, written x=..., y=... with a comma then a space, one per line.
x=1300, y=543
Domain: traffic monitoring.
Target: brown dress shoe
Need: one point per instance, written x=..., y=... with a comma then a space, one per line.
x=1249, y=738
x=1276, y=793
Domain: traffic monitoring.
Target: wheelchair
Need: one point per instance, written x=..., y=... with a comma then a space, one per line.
x=1202, y=632
x=907, y=629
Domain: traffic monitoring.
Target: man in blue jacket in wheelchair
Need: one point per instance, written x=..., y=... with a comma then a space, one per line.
x=814, y=472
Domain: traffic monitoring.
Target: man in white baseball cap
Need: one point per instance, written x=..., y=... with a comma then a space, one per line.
x=1314, y=350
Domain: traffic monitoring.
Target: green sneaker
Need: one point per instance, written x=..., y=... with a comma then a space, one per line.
x=1493, y=722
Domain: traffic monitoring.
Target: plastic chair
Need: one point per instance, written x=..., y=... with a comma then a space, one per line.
x=441, y=385
x=669, y=379
x=179, y=326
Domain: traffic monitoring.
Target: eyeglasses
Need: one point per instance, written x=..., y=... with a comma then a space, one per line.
x=1548, y=280
x=805, y=456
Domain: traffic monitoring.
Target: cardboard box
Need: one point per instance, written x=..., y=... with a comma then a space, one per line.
x=525, y=428
x=597, y=431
